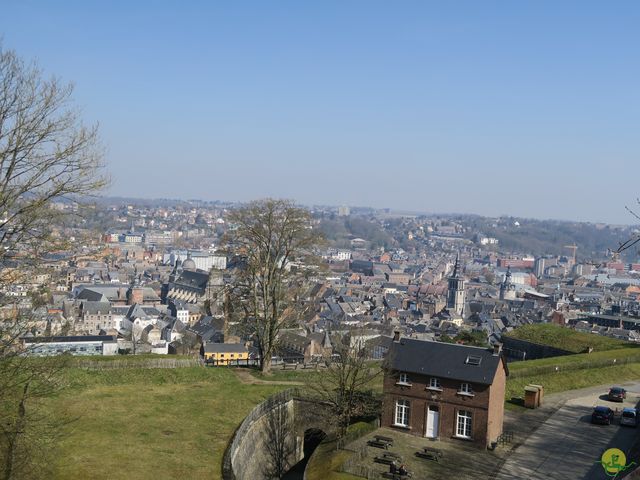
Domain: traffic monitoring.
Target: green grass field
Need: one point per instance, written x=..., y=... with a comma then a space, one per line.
x=307, y=376
x=171, y=423
x=150, y=423
x=565, y=338
x=574, y=371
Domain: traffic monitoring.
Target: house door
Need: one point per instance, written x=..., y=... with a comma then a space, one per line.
x=433, y=415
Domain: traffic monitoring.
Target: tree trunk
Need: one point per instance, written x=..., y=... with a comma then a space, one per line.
x=266, y=364
x=12, y=437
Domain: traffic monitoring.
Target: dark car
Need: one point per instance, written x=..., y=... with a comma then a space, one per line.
x=602, y=415
x=617, y=394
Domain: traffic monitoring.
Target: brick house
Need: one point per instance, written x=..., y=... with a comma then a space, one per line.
x=445, y=391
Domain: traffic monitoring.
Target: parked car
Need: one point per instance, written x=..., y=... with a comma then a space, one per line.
x=629, y=417
x=602, y=415
x=617, y=394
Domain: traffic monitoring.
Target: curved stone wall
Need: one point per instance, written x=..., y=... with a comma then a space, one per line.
x=254, y=446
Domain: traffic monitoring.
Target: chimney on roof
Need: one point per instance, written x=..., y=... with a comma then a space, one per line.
x=497, y=348
x=396, y=336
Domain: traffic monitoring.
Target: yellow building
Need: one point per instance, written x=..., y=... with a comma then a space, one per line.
x=225, y=353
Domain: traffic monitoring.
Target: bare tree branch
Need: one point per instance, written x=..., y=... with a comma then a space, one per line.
x=46, y=155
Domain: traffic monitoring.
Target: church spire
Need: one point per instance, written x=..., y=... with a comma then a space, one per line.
x=456, y=292
x=456, y=266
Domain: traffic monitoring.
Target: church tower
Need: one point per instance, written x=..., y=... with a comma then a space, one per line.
x=455, y=295
x=507, y=288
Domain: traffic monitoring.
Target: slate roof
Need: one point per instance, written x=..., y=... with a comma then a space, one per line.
x=225, y=348
x=208, y=327
x=444, y=360
x=93, y=308
x=293, y=338
x=196, y=280
x=106, y=292
x=140, y=311
x=91, y=296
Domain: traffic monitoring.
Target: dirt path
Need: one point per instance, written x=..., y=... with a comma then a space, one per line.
x=245, y=377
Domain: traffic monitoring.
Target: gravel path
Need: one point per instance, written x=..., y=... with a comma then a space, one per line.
x=245, y=377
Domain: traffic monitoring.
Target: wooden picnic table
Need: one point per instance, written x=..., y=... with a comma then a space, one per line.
x=430, y=453
x=391, y=455
x=383, y=438
x=379, y=444
x=385, y=460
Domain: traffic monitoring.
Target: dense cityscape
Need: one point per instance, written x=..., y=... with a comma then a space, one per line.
x=153, y=269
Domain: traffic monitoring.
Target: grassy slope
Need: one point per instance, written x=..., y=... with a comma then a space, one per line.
x=326, y=461
x=165, y=423
x=571, y=380
x=307, y=376
x=151, y=424
x=565, y=338
x=574, y=371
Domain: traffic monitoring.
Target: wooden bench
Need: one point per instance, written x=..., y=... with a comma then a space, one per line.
x=392, y=455
x=292, y=366
x=430, y=454
x=388, y=458
x=392, y=476
x=395, y=476
x=310, y=365
x=378, y=444
x=385, y=460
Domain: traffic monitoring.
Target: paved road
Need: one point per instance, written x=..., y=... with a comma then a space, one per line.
x=568, y=446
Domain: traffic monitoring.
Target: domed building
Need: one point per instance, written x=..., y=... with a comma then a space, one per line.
x=189, y=264
x=189, y=284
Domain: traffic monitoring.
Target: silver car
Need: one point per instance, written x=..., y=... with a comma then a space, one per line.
x=629, y=417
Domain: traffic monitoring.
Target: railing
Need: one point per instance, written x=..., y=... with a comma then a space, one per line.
x=356, y=464
x=361, y=432
x=137, y=363
x=505, y=438
x=283, y=363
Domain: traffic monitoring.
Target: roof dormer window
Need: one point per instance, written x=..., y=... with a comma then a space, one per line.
x=473, y=360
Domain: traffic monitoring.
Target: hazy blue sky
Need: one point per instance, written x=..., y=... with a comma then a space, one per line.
x=512, y=107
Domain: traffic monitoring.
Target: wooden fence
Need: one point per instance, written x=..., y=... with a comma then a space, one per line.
x=137, y=363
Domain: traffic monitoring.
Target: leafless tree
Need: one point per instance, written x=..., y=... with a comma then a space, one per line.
x=47, y=155
x=634, y=240
x=188, y=344
x=275, y=240
x=279, y=442
x=345, y=385
x=27, y=431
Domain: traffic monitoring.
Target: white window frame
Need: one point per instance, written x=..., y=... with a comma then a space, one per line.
x=401, y=414
x=465, y=389
x=403, y=379
x=464, y=424
x=434, y=384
